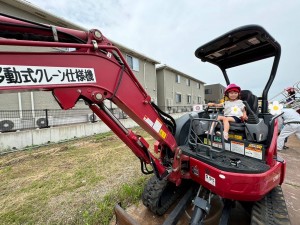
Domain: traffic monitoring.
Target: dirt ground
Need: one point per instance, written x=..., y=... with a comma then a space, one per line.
x=291, y=186
x=291, y=189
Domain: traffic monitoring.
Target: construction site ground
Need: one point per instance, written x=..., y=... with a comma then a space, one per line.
x=291, y=189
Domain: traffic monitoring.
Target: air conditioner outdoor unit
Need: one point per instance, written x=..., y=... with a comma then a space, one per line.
x=92, y=117
x=10, y=124
x=41, y=122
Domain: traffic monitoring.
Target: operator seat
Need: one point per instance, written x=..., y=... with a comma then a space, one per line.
x=251, y=102
x=254, y=128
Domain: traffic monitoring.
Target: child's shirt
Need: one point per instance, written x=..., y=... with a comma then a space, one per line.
x=234, y=108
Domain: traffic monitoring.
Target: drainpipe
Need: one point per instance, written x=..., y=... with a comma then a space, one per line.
x=32, y=104
x=145, y=75
x=20, y=105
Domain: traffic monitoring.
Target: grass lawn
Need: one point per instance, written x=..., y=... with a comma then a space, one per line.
x=76, y=182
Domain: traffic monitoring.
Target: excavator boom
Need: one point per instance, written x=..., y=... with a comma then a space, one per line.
x=90, y=68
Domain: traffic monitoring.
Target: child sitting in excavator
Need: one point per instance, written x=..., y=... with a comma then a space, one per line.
x=234, y=109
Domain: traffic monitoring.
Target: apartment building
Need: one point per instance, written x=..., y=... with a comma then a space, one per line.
x=177, y=91
x=214, y=93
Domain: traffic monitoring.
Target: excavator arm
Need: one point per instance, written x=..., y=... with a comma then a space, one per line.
x=86, y=66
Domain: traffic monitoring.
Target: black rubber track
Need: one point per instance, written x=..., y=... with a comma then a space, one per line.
x=159, y=195
x=271, y=210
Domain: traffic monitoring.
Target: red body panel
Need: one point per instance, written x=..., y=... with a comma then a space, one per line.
x=237, y=186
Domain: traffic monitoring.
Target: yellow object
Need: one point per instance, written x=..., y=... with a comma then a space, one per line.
x=162, y=134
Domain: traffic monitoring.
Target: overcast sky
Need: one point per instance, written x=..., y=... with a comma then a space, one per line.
x=170, y=31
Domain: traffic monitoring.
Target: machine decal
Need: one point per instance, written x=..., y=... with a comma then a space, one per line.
x=217, y=144
x=253, y=152
x=276, y=177
x=157, y=125
x=109, y=55
x=163, y=134
x=147, y=120
x=210, y=180
x=12, y=75
x=195, y=170
x=227, y=146
x=237, y=147
x=235, y=136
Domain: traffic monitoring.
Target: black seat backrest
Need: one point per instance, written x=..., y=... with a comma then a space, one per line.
x=251, y=99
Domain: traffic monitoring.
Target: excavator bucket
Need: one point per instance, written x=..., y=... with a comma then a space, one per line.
x=122, y=217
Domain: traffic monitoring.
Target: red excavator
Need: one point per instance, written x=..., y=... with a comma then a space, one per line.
x=188, y=162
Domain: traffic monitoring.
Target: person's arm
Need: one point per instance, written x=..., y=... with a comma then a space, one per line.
x=211, y=104
x=244, y=116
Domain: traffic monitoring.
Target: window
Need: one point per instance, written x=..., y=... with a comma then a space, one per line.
x=188, y=82
x=133, y=62
x=178, y=98
x=208, y=91
x=189, y=99
x=198, y=85
x=222, y=90
x=178, y=79
x=199, y=100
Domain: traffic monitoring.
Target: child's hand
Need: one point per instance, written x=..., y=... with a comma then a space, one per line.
x=244, y=117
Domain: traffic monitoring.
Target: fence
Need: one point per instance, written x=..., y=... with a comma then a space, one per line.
x=13, y=120
x=177, y=109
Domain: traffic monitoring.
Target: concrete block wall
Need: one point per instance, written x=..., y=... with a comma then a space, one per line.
x=13, y=141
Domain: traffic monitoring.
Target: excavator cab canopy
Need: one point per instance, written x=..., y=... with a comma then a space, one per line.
x=240, y=46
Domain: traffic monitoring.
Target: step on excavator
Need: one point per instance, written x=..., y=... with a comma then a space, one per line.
x=189, y=167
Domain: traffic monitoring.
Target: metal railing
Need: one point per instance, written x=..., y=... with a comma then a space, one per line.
x=13, y=120
x=177, y=109
x=289, y=100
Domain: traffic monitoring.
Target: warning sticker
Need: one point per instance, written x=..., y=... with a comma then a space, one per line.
x=235, y=136
x=162, y=134
x=217, y=144
x=209, y=179
x=147, y=120
x=253, y=152
x=227, y=146
x=157, y=125
x=237, y=147
x=206, y=142
x=238, y=137
x=255, y=146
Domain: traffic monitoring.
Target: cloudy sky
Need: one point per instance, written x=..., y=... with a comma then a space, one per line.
x=170, y=31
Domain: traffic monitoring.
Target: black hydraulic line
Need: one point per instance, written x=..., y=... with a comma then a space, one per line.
x=144, y=168
x=119, y=81
x=171, y=122
x=41, y=26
